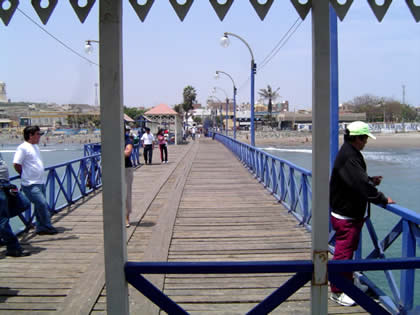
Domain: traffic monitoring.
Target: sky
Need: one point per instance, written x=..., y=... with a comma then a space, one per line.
x=163, y=55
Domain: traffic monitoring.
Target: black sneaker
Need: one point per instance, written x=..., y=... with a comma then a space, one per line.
x=17, y=253
x=49, y=231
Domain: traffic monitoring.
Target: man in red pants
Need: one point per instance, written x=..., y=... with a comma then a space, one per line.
x=350, y=191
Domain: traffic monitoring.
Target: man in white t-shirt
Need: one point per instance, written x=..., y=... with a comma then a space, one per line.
x=147, y=141
x=27, y=162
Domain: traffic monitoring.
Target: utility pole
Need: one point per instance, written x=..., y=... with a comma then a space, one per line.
x=403, y=94
x=96, y=94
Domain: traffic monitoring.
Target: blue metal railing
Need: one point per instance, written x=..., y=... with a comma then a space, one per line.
x=94, y=148
x=291, y=185
x=66, y=183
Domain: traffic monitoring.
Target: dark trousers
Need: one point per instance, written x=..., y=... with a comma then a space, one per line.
x=163, y=152
x=148, y=153
x=347, y=236
x=6, y=233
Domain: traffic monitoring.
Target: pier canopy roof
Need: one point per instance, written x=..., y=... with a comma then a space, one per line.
x=128, y=118
x=167, y=118
x=161, y=109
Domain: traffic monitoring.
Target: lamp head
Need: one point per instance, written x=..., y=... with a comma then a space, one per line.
x=216, y=75
x=224, y=41
x=88, y=47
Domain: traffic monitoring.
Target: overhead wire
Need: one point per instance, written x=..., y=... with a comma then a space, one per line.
x=280, y=44
x=56, y=39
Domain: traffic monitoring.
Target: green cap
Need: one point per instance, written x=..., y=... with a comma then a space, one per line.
x=359, y=128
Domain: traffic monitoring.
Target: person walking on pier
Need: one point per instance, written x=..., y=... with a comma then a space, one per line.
x=351, y=189
x=147, y=141
x=162, y=146
x=13, y=247
x=28, y=163
x=128, y=149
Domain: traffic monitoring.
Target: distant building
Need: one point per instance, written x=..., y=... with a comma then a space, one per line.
x=3, y=95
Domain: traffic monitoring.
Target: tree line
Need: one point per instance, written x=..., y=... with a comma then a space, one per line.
x=379, y=109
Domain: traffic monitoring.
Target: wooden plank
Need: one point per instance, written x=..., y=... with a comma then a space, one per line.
x=158, y=246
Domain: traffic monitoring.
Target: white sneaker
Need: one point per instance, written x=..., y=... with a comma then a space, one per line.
x=360, y=285
x=342, y=299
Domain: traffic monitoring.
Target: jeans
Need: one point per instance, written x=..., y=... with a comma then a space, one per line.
x=148, y=153
x=36, y=195
x=6, y=232
x=163, y=152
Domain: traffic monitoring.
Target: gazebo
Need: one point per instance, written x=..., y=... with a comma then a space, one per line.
x=165, y=117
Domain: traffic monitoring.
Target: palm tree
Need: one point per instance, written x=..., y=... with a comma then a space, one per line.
x=190, y=97
x=270, y=95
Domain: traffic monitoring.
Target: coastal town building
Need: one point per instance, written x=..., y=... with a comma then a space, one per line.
x=3, y=95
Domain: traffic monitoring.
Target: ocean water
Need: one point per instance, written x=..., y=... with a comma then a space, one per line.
x=51, y=155
x=400, y=169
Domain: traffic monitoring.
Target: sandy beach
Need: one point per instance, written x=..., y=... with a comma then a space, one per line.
x=14, y=138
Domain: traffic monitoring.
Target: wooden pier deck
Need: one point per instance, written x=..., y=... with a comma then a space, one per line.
x=202, y=206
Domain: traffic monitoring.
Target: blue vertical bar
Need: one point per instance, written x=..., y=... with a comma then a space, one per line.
x=407, y=276
x=334, y=86
x=334, y=115
x=234, y=112
x=252, y=103
x=69, y=184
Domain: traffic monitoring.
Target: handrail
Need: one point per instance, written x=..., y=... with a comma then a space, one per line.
x=291, y=185
x=70, y=181
x=94, y=148
x=67, y=183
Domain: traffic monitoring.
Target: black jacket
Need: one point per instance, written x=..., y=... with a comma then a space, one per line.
x=350, y=186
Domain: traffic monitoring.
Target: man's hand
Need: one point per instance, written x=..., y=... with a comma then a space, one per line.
x=376, y=180
x=390, y=200
x=18, y=168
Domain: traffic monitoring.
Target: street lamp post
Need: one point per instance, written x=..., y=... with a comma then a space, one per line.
x=224, y=41
x=227, y=106
x=220, y=102
x=234, y=99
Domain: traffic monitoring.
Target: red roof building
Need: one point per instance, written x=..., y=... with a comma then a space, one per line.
x=161, y=109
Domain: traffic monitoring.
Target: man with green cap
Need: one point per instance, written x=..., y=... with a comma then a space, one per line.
x=351, y=189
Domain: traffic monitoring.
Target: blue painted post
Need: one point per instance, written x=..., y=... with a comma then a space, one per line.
x=282, y=182
x=334, y=115
x=305, y=199
x=83, y=173
x=273, y=176
x=334, y=86
x=407, y=275
x=253, y=70
x=234, y=112
x=292, y=188
x=68, y=194
x=51, y=181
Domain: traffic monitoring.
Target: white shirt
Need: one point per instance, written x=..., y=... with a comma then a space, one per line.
x=147, y=138
x=29, y=157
